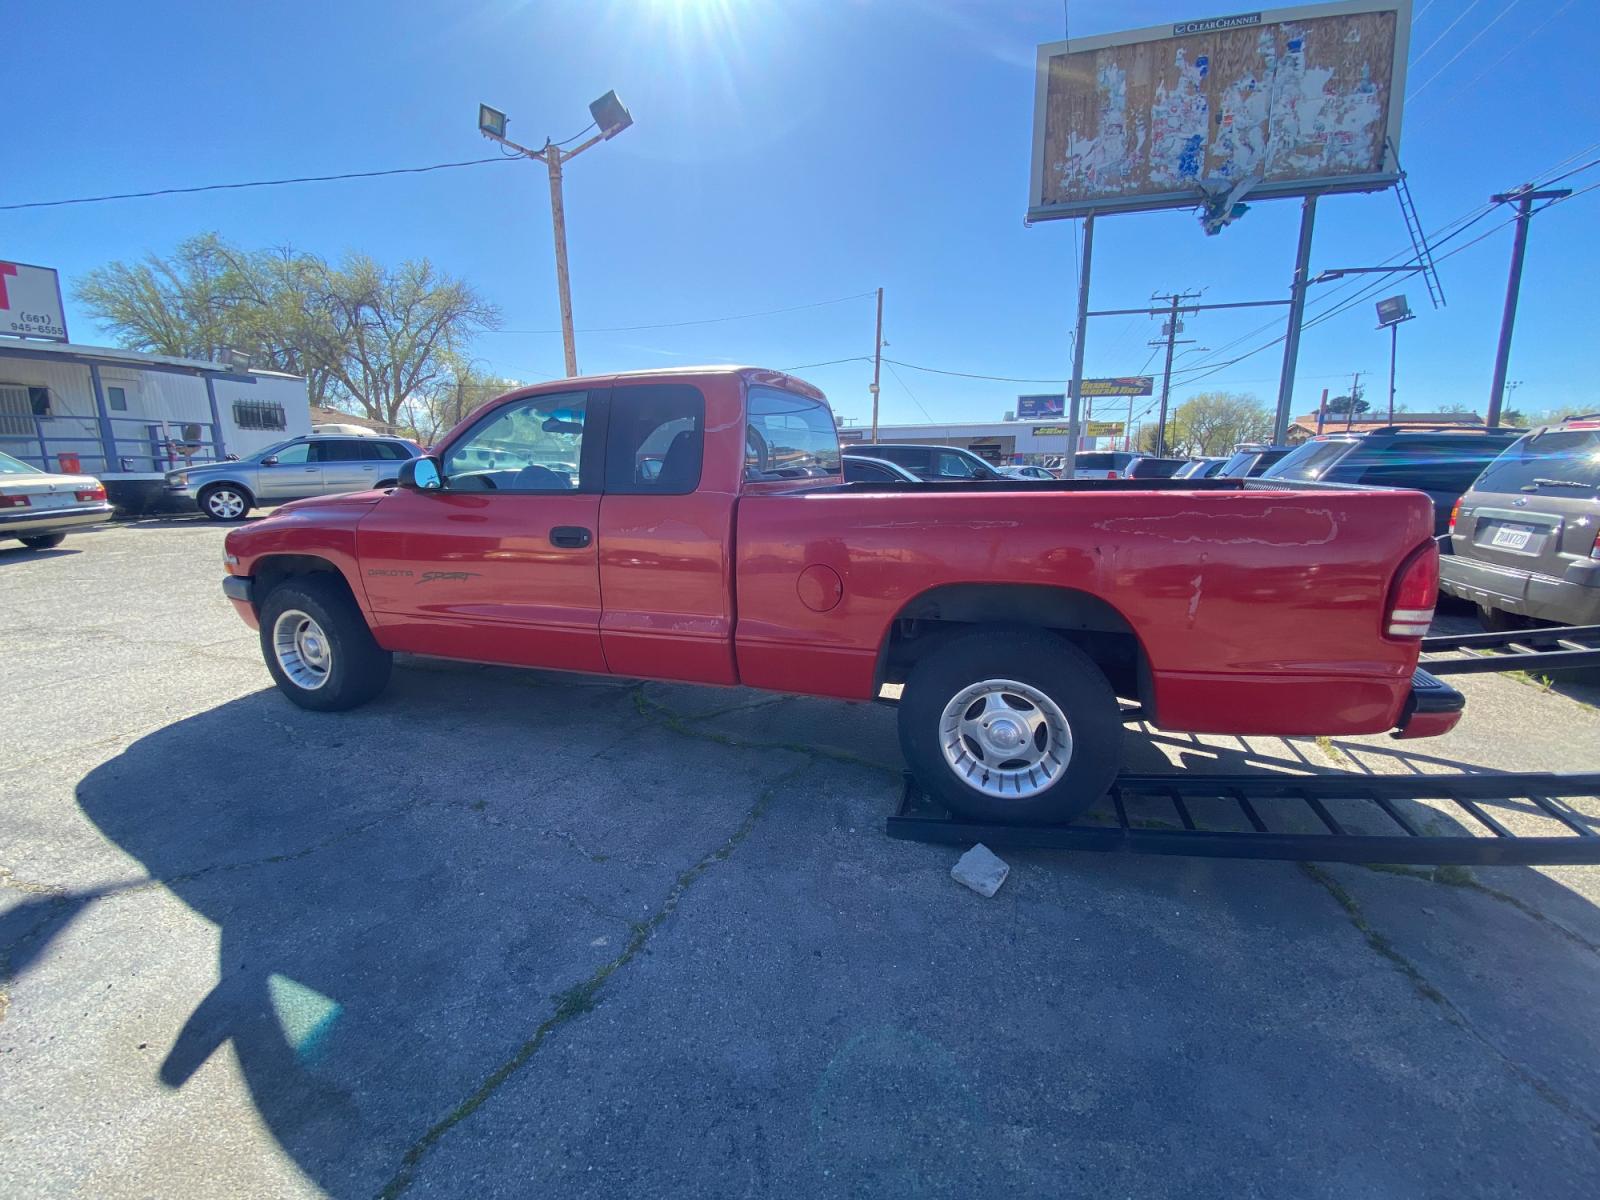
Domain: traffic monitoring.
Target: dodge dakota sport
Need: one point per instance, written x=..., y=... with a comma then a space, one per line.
x=694, y=525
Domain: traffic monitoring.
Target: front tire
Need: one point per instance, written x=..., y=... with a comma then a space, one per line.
x=318, y=648
x=225, y=502
x=45, y=541
x=1011, y=727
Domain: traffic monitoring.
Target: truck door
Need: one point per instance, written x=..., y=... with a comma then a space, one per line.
x=500, y=564
x=665, y=538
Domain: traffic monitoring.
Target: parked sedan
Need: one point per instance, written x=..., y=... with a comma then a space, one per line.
x=1025, y=473
x=38, y=508
x=292, y=470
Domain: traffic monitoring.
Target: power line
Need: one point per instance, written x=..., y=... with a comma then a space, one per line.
x=1446, y=32
x=830, y=363
x=1470, y=44
x=968, y=374
x=909, y=392
x=701, y=321
x=255, y=183
x=1519, y=44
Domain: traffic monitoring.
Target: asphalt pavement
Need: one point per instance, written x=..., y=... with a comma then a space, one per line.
x=506, y=934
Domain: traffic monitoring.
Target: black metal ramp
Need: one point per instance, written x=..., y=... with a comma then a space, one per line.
x=1473, y=820
x=1551, y=648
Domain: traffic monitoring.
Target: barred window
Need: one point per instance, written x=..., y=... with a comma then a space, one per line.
x=259, y=414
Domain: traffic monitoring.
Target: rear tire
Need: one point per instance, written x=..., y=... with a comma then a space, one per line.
x=225, y=502
x=1012, y=726
x=1498, y=620
x=45, y=541
x=317, y=645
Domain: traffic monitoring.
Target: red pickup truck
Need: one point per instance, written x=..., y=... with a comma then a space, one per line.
x=694, y=525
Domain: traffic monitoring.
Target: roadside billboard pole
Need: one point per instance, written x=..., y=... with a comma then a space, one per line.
x=1069, y=464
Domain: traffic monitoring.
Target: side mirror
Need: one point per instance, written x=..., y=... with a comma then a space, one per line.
x=270, y=460
x=421, y=474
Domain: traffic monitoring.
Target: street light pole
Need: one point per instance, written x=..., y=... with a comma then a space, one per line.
x=558, y=219
x=610, y=118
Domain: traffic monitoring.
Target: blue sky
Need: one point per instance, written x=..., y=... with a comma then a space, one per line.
x=787, y=152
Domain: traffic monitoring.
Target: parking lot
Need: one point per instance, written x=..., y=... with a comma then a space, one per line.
x=507, y=933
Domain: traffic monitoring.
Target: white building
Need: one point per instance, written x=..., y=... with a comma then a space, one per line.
x=128, y=418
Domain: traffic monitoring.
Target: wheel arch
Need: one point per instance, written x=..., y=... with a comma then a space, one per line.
x=272, y=570
x=1093, y=624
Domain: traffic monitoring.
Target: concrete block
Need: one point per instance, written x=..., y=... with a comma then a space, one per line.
x=981, y=870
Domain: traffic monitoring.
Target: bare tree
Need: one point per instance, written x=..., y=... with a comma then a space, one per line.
x=402, y=331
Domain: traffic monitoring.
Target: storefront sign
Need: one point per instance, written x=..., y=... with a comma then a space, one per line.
x=30, y=303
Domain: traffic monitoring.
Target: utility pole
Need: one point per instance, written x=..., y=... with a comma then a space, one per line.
x=1171, y=336
x=877, y=365
x=1355, y=394
x=1524, y=198
x=610, y=119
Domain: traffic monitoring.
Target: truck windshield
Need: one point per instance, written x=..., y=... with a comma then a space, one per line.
x=788, y=437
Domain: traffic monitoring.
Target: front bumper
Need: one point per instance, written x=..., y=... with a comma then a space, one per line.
x=54, y=520
x=1573, y=599
x=241, y=593
x=1432, y=708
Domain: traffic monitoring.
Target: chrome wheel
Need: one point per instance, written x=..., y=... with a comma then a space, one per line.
x=302, y=649
x=1005, y=739
x=225, y=504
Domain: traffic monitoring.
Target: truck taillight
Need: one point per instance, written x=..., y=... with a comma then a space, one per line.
x=13, y=501
x=97, y=492
x=1455, y=511
x=1413, y=594
x=1111, y=474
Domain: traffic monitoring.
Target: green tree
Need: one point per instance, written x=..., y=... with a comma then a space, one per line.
x=1211, y=423
x=1352, y=403
x=365, y=336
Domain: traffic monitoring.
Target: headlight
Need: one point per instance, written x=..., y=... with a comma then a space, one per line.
x=178, y=480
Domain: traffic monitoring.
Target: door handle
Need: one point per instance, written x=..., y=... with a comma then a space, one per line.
x=570, y=537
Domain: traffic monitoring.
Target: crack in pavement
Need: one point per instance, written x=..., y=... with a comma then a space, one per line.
x=1385, y=949
x=581, y=997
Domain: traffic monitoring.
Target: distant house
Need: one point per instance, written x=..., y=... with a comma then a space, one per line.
x=1305, y=427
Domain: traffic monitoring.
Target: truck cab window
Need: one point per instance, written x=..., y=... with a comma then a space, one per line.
x=789, y=437
x=532, y=445
x=655, y=440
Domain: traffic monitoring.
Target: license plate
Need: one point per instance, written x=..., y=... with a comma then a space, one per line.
x=51, y=500
x=1511, y=537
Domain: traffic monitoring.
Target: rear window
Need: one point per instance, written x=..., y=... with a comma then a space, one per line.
x=1557, y=461
x=1309, y=461
x=1101, y=460
x=1157, y=468
x=788, y=437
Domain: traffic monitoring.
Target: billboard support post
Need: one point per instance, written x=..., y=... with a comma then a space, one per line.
x=1069, y=462
x=1297, y=308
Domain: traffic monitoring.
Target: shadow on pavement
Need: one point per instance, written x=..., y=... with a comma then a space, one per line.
x=411, y=897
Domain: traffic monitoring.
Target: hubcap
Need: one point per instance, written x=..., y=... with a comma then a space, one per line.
x=302, y=649
x=1005, y=739
x=226, y=504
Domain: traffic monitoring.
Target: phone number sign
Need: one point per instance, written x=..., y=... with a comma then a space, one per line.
x=30, y=303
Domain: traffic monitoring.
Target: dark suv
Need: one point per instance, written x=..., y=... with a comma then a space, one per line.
x=1526, y=537
x=928, y=462
x=1440, y=460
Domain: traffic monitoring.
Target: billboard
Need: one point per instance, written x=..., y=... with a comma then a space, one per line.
x=30, y=303
x=1032, y=408
x=1272, y=103
x=1120, y=385
x=1100, y=429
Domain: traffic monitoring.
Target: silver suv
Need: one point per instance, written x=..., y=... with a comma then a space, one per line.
x=292, y=470
x=1526, y=536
